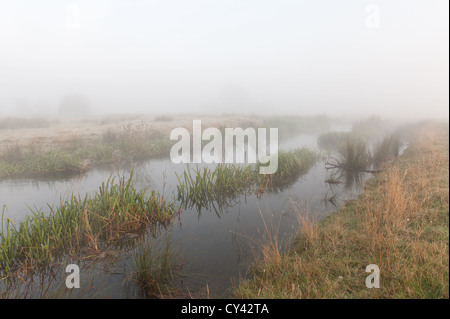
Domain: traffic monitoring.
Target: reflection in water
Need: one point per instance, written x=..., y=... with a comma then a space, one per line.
x=331, y=199
x=350, y=178
x=217, y=203
x=338, y=177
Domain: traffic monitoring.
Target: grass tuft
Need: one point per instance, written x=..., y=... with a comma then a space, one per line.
x=156, y=265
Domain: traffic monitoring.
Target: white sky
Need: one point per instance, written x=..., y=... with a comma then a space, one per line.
x=350, y=57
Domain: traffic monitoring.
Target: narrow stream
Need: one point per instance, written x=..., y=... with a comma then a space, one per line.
x=216, y=248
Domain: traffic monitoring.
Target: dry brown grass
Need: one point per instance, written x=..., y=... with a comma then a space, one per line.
x=400, y=223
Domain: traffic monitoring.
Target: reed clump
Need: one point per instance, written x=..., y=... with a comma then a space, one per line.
x=386, y=150
x=92, y=223
x=354, y=156
x=156, y=263
x=352, y=147
x=202, y=186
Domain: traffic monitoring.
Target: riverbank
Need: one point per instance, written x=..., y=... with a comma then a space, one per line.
x=41, y=147
x=30, y=148
x=400, y=223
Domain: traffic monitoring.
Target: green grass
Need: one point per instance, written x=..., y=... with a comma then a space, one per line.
x=93, y=222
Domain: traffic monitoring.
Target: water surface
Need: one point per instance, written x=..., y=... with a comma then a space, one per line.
x=216, y=246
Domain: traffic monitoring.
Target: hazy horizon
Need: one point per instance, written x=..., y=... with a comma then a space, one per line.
x=252, y=57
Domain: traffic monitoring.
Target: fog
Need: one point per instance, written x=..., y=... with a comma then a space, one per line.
x=351, y=58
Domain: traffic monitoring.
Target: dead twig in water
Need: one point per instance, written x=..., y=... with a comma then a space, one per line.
x=329, y=165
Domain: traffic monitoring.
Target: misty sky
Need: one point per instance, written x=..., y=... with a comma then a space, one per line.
x=226, y=56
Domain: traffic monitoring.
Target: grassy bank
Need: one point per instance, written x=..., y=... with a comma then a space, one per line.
x=133, y=142
x=400, y=223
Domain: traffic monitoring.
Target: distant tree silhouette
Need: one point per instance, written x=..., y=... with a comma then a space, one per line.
x=74, y=105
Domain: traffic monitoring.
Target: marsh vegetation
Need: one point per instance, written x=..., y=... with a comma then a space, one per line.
x=133, y=224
